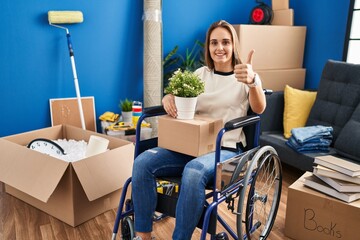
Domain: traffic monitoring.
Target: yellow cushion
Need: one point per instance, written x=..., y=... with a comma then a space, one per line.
x=297, y=106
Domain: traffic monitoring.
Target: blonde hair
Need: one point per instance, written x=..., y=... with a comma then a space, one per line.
x=209, y=62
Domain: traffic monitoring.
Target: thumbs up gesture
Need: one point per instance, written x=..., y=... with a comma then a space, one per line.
x=244, y=72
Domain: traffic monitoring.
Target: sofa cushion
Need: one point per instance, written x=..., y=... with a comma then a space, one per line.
x=348, y=142
x=297, y=106
x=337, y=96
x=272, y=117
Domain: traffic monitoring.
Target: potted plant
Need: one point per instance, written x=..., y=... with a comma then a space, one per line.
x=126, y=110
x=186, y=86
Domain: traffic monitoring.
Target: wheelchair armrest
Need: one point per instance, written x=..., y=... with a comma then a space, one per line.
x=154, y=111
x=267, y=91
x=241, y=122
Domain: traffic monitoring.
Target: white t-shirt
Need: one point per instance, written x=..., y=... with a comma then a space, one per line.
x=224, y=98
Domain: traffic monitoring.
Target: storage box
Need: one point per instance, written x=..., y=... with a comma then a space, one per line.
x=313, y=215
x=193, y=137
x=276, y=80
x=279, y=4
x=145, y=134
x=276, y=47
x=72, y=192
x=283, y=17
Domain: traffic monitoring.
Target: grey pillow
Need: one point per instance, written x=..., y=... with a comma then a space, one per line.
x=337, y=97
x=348, y=142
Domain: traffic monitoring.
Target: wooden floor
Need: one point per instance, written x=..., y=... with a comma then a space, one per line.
x=21, y=221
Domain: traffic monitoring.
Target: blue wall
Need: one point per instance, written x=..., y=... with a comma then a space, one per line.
x=108, y=45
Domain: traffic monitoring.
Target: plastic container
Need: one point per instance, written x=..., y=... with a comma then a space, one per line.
x=136, y=112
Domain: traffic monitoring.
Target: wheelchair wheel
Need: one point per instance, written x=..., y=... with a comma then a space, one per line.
x=260, y=197
x=127, y=229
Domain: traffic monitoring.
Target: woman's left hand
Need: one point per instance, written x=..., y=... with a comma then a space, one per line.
x=244, y=72
x=168, y=103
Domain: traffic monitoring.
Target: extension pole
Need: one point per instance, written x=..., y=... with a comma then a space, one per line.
x=76, y=82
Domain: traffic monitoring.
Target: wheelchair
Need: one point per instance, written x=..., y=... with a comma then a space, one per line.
x=249, y=183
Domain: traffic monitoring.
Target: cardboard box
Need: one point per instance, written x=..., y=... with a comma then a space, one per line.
x=72, y=192
x=193, y=137
x=276, y=47
x=313, y=215
x=283, y=17
x=276, y=80
x=279, y=4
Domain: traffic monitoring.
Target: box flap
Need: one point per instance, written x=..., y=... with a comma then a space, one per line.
x=103, y=173
x=29, y=171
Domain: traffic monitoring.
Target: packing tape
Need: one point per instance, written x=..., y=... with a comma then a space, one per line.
x=152, y=15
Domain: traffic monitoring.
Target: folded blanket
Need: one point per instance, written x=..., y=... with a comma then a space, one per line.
x=309, y=133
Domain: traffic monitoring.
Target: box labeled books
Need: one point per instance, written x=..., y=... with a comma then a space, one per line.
x=311, y=214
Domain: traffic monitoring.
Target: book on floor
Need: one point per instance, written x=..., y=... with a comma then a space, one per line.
x=339, y=185
x=327, y=172
x=341, y=165
x=317, y=184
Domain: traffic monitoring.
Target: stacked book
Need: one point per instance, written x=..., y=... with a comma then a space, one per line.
x=336, y=177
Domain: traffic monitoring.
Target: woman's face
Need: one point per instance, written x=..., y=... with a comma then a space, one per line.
x=221, y=49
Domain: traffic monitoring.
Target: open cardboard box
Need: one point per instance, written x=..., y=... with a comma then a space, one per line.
x=193, y=137
x=72, y=192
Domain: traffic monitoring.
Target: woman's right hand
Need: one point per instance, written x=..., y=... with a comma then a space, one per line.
x=168, y=103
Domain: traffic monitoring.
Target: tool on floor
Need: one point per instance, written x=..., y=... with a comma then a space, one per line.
x=68, y=17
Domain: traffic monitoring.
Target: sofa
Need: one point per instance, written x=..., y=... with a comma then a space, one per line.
x=337, y=104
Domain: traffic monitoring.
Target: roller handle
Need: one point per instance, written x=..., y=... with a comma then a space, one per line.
x=71, y=51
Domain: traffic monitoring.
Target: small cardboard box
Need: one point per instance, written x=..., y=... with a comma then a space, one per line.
x=279, y=4
x=276, y=80
x=283, y=17
x=193, y=137
x=276, y=47
x=72, y=192
x=313, y=215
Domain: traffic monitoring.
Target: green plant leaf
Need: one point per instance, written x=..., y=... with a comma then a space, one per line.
x=126, y=105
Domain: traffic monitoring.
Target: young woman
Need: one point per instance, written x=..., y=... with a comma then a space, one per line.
x=230, y=88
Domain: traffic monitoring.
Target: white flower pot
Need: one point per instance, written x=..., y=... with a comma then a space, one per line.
x=127, y=117
x=185, y=107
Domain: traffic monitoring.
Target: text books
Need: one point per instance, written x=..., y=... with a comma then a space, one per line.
x=327, y=172
x=336, y=177
x=344, y=166
x=317, y=184
x=339, y=185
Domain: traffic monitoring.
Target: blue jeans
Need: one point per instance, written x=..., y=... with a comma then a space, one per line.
x=196, y=174
x=304, y=134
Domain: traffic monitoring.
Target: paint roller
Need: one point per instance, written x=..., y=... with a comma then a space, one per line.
x=69, y=17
